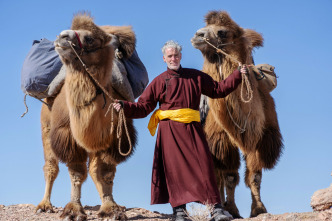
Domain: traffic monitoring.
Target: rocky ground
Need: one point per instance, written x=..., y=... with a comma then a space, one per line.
x=321, y=202
x=26, y=212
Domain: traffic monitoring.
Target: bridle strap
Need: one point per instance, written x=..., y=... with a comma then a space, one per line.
x=79, y=40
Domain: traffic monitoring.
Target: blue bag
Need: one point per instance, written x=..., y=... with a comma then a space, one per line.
x=40, y=67
x=137, y=74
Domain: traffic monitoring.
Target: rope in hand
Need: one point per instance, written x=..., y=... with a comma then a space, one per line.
x=122, y=118
x=244, y=76
x=245, y=80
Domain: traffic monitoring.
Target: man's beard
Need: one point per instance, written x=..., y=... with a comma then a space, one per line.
x=174, y=67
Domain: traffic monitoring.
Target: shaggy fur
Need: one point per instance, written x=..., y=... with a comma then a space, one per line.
x=74, y=126
x=126, y=38
x=261, y=143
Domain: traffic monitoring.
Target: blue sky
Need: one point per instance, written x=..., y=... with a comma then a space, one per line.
x=297, y=42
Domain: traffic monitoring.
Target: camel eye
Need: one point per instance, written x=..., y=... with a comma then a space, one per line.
x=222, y=34
x=88, y=39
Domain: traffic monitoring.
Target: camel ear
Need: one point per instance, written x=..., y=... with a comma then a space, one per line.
x=256, y=39
x=126, y=36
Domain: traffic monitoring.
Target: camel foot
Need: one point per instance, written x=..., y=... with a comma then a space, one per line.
x=258, y=209
x=44, y=206
x=233, y=210
x=111, y=209
x=73, y=211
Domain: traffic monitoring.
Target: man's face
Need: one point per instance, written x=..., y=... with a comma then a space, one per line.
x=172, y=58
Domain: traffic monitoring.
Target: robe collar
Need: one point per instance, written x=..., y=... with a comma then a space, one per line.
x=176, y=73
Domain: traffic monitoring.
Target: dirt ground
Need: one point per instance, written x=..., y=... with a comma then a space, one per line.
x=26, y=212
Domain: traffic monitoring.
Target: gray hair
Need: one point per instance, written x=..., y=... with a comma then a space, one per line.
x=171, y=44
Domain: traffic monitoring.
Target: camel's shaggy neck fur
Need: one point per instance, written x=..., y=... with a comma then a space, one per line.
x=238, y=109
x=87, y=121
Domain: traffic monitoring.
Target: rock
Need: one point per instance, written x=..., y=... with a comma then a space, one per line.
x=322, y=199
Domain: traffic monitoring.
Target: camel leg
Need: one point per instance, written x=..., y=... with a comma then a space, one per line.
x=78, y=174
x=253, y=179
x=102, y=174
x=231, y=180
x=51, y=170
x=220, y=184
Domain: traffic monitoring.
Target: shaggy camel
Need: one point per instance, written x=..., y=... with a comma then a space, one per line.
x=232, y=123
x=74, y=126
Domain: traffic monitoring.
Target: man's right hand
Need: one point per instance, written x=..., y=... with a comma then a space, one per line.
x=244, y=69
x=116, y=105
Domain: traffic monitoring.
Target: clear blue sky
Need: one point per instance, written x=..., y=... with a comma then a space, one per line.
x=297, y=41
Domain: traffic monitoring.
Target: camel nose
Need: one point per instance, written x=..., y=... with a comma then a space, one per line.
x=66, y=35
x=200, y=34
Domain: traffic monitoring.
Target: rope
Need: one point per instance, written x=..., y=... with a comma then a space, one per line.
x=122, y=119
x=245, y=79
x=242, y=130
x=26, y=106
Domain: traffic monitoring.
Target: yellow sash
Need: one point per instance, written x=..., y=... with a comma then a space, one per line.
x=184, y=115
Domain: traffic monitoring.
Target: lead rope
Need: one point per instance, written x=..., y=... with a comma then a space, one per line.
x=122, y=119
x=242, y=130
x=244, y=77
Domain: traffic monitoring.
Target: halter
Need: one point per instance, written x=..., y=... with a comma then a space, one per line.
x=81, y=45
x=79, y=40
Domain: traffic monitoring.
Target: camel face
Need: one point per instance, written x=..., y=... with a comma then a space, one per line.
x=220, y=32
x=63, y=41
x=88, y=40
x=217, y=35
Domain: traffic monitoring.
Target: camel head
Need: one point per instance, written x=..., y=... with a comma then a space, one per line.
x=88, y=40
x=222, y=32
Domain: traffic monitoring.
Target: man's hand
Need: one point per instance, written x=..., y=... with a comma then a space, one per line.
x=116, y=105
x=244, y=70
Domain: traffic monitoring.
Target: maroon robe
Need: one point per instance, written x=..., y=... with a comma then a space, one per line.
x=182, y=167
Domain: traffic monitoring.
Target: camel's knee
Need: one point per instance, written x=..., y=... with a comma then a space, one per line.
x=108, y=173
x=77, y=172
x=51, y=169
x=254, y=178
x=231, y=179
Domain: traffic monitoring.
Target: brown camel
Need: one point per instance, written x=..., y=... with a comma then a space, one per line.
x=75, y=129
x=232, y=123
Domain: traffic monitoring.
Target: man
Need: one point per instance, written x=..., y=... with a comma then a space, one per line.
x=182, y=169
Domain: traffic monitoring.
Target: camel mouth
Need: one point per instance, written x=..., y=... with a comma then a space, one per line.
x=198, y=42
x=60, y=44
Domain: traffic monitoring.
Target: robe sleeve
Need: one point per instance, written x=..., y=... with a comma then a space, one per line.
x=220, y=89
x=146, y=103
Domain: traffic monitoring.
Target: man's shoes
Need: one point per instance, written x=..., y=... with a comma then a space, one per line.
x=219, y=214
x=179, y=213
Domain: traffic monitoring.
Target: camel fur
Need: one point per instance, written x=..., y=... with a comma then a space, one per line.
x=261, y=142
x=75, y=130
